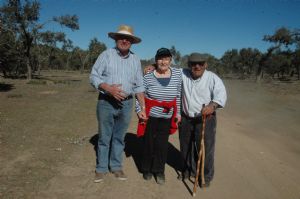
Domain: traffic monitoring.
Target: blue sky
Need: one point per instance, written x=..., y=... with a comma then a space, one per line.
x=205, y=26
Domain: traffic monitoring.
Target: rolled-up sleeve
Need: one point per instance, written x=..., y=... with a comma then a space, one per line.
x=137, y=104
x=96, y=76
x=138, y=85
x=219, y=92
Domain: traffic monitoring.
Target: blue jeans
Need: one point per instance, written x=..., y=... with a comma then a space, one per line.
x=113, y=120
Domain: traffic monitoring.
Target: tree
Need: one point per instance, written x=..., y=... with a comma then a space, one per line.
x=283, y=39
x=22, y=16
x=67, y=50
x=51, y=39
x=277, y=64
x=80, y=58
x=249, y=60
x=94, y=50
x=296, y=62
x=176, y=55
x=263, y=63
x=230, y=61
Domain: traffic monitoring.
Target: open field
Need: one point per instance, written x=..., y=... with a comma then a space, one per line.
x=48, y=131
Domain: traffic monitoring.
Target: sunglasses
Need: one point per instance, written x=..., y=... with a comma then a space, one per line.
x=193, y=64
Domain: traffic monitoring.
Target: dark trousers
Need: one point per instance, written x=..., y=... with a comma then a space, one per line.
x=155, y=145
x=189, y=137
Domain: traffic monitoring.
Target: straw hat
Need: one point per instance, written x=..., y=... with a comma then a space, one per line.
x=127, y=31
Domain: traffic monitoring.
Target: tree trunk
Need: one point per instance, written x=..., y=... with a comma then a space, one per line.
x=82, y=68
x=39, y=69
x=29, y=70
x=84, y=61
x=298, y=72
x=259, y=74
x=68, y=61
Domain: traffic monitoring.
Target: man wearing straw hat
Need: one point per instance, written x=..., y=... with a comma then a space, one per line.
x=117, y=75
x=200, y=86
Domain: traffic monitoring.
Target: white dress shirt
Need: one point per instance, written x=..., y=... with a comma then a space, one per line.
x=201, y=91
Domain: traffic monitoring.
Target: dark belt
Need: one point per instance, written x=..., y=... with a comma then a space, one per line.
x=111, y=98
x=195, y=118
x=191, y=118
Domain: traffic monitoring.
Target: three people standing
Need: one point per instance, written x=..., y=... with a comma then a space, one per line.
x=117, y=75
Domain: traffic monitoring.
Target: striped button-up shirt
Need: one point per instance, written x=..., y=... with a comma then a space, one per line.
x=200, y=91
x=112, y=68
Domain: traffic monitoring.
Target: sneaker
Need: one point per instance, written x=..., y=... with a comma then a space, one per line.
x=99, y=177
x=147, y=176
x=120, y=175
x=160, y=178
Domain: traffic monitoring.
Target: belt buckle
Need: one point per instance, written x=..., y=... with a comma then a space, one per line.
x=127, y=98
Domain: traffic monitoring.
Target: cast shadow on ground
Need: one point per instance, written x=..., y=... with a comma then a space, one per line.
x=94, y=142
x=6, y=87
x=134, y=148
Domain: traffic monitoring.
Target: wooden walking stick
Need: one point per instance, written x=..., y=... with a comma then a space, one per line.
x=201, y=157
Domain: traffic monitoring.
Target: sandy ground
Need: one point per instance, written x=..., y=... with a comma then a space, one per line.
x=48, y=132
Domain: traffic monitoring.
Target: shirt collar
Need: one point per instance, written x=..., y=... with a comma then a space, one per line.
x=124, y=57
x=199, y=78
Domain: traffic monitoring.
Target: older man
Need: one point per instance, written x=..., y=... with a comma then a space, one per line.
x=117, y=74
x=200, y=86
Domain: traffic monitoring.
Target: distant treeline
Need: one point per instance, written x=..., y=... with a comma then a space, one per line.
x=27, y=47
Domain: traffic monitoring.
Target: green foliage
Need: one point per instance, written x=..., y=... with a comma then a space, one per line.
x=277, y=60
x=176, y=55
x=68, y=21
x=26, y=47
x=20, y=17
x=95, y=49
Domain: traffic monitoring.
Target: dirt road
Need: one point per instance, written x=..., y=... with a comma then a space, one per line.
x=48, y=130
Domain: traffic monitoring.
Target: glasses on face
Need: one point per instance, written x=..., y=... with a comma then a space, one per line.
x=194, y=64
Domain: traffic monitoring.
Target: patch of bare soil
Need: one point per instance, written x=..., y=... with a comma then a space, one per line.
x=48, y=133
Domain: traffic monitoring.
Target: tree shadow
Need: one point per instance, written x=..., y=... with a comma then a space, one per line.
x=6, y=87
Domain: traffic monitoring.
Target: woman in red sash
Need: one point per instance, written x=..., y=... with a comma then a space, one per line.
x=162, y=106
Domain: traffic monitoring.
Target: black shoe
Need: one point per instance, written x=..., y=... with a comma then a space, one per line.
x=147, y=176
x=160, y=178
x=183, y=176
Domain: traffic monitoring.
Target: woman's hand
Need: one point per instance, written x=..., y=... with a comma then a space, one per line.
x=142, y=115
x=178, y=119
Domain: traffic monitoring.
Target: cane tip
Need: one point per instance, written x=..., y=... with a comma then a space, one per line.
x=194, y=194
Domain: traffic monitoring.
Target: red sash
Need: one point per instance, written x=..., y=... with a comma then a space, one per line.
x=149, y=103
